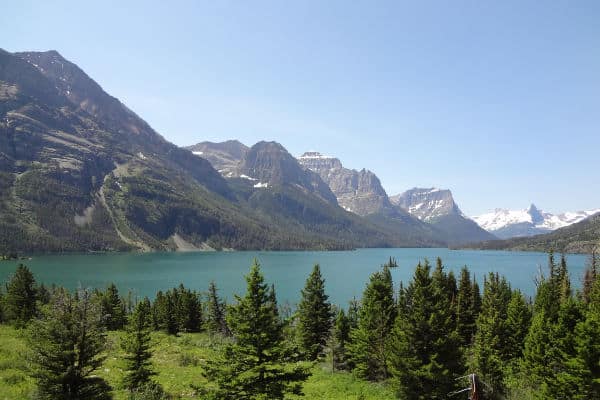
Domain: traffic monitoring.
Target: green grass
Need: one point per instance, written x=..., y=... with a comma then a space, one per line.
x=178, y=363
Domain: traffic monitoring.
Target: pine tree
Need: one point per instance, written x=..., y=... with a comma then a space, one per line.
x=341, y=338
x=136, y=344
x=67, y=344
x=466, y=314
x=370, y=340
x=188, y=309
x=518, y=319
x=426, y=354
x=591, y=273
x=314, y=316
x=163, y=313
x=551, y=356
x=490, y=351
x=215, y=319
x=256, y=364
x=113, y=308
x=587, y=346
x=20, y=298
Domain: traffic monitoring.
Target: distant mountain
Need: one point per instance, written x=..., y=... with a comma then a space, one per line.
x=528, y=222
x=359, y=192
x=438, y=208
x=580, y=237
x=224, y=156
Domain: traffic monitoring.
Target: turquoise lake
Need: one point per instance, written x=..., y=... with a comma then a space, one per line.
x=346, y=272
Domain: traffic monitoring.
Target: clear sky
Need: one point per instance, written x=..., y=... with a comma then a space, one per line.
x=497, y=100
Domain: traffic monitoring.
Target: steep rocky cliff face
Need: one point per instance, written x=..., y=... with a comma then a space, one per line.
x=438, y=208
x=270, y=164
x=359, y=192
x=427, y=204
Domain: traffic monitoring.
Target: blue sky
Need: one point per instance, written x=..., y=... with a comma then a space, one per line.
x=498, y=101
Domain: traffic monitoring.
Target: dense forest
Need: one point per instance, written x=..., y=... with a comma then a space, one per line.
x=436, y=336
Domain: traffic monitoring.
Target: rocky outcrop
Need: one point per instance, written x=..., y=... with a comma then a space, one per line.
x=359, y=192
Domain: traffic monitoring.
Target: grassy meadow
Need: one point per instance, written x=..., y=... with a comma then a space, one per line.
x=177, y=361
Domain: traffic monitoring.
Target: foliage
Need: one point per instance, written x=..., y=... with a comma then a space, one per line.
x=257, y=364
x=369, y=347
x=67, y=345
x=20, y=299
x=215, y=318
x=426, y=349
x=112, y=308
x=314, y=315
x=136, y=345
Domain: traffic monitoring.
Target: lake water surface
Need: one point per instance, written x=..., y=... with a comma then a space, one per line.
x=346, y=272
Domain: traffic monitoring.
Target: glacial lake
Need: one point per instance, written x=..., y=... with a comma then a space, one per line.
x=346, y=272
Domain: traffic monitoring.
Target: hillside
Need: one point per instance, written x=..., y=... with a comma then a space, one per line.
x=79, y=171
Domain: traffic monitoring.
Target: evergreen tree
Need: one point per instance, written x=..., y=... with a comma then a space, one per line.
x=188, y=309
x=256, y=364
x=426, y=354
x=113, y=308
x=518, y=319
x=370, y=341
x=587, y=346
x=353, y=312
x=67, y=345
x=550, y=356
x=314, y=316
x=20, y=298
x=491, y=352
x=163, y=313
x=341, y=338
x=136, y=344
x=591, y=273
x=426, y=348
x=466, y=314
x=215, y=319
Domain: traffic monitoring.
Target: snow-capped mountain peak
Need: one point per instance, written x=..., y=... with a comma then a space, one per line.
x=506, y=223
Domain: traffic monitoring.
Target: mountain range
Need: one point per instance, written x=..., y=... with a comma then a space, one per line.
x=360, y=192
x=507, y=224
x=79, y=171
x=581, y=237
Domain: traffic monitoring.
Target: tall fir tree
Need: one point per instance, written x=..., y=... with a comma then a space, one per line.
x=369, y=347
x=518, y=319
x=341, y=338
x=490, y=350
x=67, y=346
x=426, y=355
x=113, y=308
x=466, y=313
x=20, y=298
x=215, y=318
x=550, y=354
x=163, y=313
x=590, y=275
x=256, y=365
x=136, y=344
x=314, y=316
